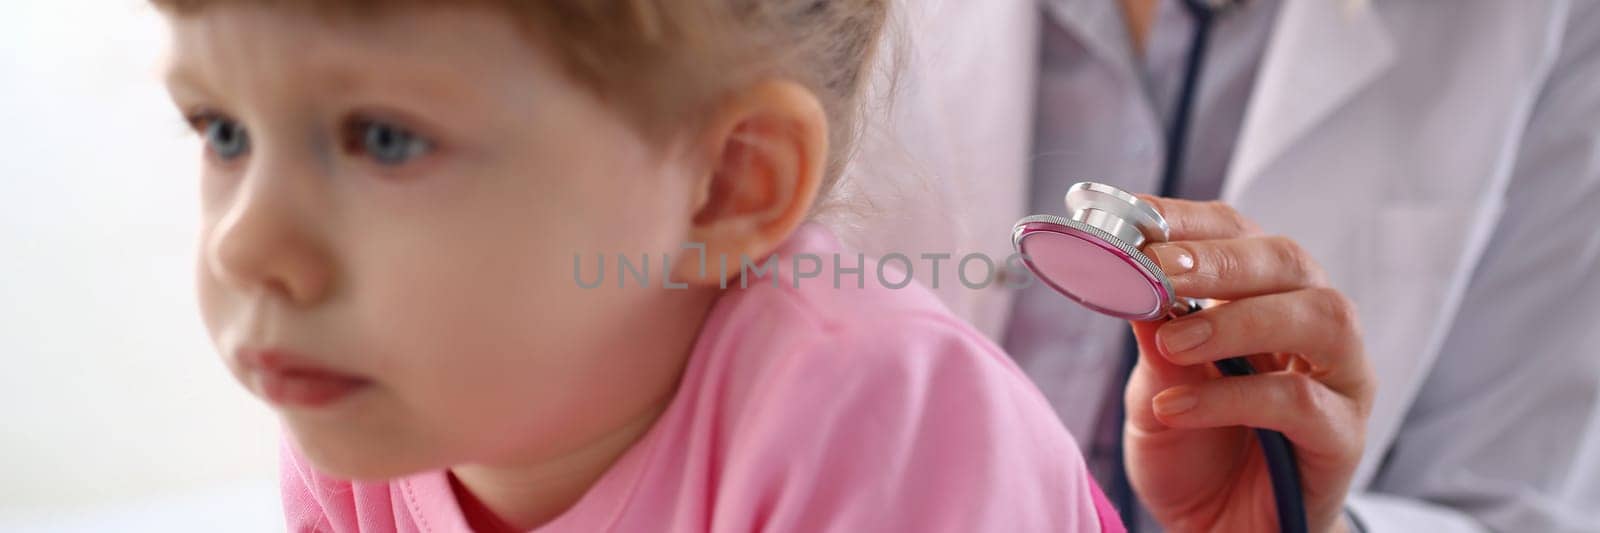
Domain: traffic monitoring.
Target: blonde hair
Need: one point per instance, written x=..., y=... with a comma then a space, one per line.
x=664, y=61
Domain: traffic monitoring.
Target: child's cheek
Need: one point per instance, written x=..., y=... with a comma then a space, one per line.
x=459, y=314
x=209, y=296
x=462, y=339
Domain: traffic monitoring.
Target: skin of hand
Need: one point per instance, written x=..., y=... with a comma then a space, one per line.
x=1192, y=456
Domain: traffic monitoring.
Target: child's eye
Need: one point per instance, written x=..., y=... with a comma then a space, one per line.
x=386, y=143
x=226, y=138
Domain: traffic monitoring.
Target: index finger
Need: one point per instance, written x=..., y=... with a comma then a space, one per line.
x=1200, y=221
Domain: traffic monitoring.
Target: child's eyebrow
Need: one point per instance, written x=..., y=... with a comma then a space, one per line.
x=183, y=81
x=426, y=87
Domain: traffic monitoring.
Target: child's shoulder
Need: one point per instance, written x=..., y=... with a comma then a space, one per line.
x=865, y=407
x=821, y=342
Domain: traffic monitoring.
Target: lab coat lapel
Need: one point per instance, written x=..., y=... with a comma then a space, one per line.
x=1320, y=54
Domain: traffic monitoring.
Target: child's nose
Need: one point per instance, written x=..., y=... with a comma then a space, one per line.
x=264, y=240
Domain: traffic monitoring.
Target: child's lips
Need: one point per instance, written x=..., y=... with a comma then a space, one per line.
x=287, y=379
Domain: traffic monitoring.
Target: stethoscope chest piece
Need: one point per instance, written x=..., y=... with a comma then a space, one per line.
x=1092, y=256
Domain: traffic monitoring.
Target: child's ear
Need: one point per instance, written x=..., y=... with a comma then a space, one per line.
x=768, y=149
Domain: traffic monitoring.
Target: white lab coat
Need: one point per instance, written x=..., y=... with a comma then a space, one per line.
x=1440, y=158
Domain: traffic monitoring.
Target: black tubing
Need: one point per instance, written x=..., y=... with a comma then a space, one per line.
x=1281, y=465
x=1279, y=454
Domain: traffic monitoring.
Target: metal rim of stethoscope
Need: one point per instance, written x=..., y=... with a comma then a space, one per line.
x=1146, y=267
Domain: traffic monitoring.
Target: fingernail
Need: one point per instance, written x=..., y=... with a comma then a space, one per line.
x=1182, y=335
x=1174, y=259
x=1175, y=401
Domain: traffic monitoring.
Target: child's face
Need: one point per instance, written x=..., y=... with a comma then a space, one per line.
x=399, y=202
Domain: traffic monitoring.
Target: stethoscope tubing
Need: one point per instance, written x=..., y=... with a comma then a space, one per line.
x=1275, y=447
x=1281, y=465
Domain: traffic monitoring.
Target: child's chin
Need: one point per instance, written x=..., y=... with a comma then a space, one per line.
x=357, y=459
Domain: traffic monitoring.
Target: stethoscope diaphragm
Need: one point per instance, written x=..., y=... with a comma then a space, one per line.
x=1093, y=256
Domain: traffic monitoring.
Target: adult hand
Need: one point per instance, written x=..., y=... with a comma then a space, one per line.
x=1191, y=455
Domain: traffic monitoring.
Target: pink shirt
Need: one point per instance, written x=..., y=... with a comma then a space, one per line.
x=802, y=409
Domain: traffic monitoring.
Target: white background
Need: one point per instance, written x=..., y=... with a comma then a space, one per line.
x=115, y=414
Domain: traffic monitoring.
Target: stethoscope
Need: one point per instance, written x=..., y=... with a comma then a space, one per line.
x=1094, y=257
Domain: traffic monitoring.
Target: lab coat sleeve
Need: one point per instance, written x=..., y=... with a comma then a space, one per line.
x=1505, y=434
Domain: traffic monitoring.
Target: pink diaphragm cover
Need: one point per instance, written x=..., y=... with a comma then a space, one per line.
x=1093, y=268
